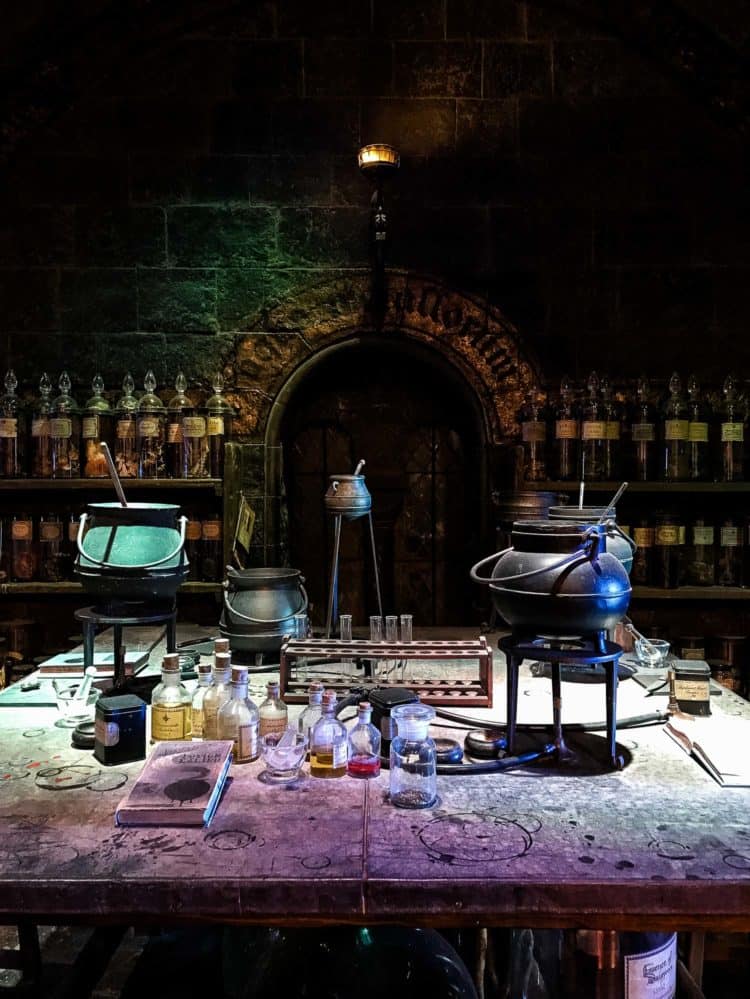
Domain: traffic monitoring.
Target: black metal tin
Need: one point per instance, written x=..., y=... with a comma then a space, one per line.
x=120, y=729
x=691, y=686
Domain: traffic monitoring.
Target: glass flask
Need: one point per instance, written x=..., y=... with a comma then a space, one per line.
x=204, y=682
x=312, y=712
x=329, y=742
x=364, y=745
x=676, y=429
x=51, y=555
x=565, y=451
x=41, y=442
x=238, y=719
x=96, y=427
x=732, y=434
x=171, y=704
x=150, y=431
x=217, y=694
x=643, y=435
x=273, y=711
x=593, y=433
x=11, y=430
x=126, y=423
x=699, y=454
x=175, y=409
x=611, y=449
x=219, y=415
x=65, y=433
x=413, y=758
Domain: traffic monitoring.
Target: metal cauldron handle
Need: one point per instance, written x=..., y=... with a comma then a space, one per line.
x=617, y=530
x=576, y=556
x=335, y=484
x=267, y=620
x=129, y=568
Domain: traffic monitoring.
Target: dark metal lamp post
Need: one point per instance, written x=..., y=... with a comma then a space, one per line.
x=377, y=162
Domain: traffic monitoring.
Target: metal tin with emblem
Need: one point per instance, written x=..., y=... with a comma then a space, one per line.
x=692, y=679
x=120, y=729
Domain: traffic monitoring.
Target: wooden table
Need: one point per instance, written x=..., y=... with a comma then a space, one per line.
x=659, y=845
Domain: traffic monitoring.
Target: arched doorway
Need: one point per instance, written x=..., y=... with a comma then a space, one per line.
x=418, y=424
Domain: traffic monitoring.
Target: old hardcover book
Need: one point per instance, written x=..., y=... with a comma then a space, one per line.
x=720, y=743
x=180, y=785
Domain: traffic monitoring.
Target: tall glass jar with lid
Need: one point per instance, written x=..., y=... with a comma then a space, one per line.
x=175, y=409
x=65, y=433
x=151, y=431
x=219, y=416
x=41, y=441
x=96, y=428
x=12, y=437
x=126, y=425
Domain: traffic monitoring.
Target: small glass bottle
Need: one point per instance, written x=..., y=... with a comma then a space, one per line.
x=211, y=560
x=193, y=545
x=11, y=430
x=22, y=548
x=96, y=427
x=641, y=573
x=65, y=432
x=413, y=758
x=238, y=720
x=194, y=443
x=126, y=426
x=729, y=555
x=611, y=449
x=329, y=742
x=312, y=712
x=51, y=560
x=643, y=435
x=534, y=439
x=699, y=454
x=675, y=434
x=364, y=745
x=150, y=431
x=204, y=682
x=567, y=435
x=593, y=433
x=171, y=704
x=273, y=712
x=175, y=408
x=41, y=441
x=217, y=694
x=218, y=427
x=701, y=568
x=732, y=434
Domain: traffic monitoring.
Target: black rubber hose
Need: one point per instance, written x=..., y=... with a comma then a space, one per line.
x=634, y=721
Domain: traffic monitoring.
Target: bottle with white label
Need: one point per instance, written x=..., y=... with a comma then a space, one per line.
x=699, y=451
x=612, y=965
x=171, y=704
x=217, y=694
x=11, y=430
x=41, y=442
x=219, y=414
x=238, y=720
x=534, y=440
x=178, y=404
x=96, y=427
x=732, y=433
x=126, y=426
x=150, y=431
x=567, y=438
x=675, y=432
x=593, y=433
x=643, y=443
x=273, y=711
x=329, y=742
x=65, y=433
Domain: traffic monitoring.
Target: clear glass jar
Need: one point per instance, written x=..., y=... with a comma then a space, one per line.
x=175, y=409
x=668, y=545
x=171, y=704
x=126, y=428
x=65, y=433
x=534, y=440
x=675, y=434
x=413, y=758
x=312, y=713
x=732, y=433
x=219, y=415
x=11, y=431
x=204, y=682
x=41, y=441
x=151, y=431
x=643, y=435
x=217, y=694
x=611, y=455
x=51, y=557
x=701, y=563
x=729, y=555
x=23, y=552
x=96, y=427
x=641, y=573
x=238, y=720
x=329, y=742
x=567, y=435
x=593, y=433
x=273, y=712
x=699, y=450
x=211, y=560
x=364, y=745
x=194, y=445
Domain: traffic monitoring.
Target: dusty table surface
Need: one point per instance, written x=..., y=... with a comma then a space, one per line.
x=657, y=845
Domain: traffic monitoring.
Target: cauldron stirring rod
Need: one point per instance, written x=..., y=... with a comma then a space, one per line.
x=612, y=503
x=113, y=474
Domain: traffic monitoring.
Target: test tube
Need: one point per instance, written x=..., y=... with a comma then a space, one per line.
x=376, y=635
x=391, y=635
x=345, y=630
x=406, y=636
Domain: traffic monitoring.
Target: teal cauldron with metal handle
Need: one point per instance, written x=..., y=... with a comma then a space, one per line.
x=131, y=553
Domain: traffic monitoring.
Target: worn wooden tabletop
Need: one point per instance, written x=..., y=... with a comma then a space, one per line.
x=657, y=845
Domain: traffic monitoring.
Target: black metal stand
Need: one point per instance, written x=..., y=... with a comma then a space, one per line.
x=332, y=614
x=126, y=615
x=586, y=650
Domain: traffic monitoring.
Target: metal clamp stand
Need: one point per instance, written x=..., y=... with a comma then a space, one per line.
x=96, y=617
x=332, y=614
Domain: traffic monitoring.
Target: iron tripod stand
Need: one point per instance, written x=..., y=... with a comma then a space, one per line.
x=332, y=614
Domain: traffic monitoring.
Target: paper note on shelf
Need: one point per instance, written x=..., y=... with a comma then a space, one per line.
x=720, y=743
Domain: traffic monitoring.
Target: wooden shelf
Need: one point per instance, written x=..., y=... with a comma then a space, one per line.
x=639, y=487
x=712, y=593
x=104, y=485
x=72, y=587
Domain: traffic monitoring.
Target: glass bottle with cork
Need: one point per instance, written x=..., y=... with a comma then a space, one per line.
x=643, y=435
x=676, y=426
x=413, y=757
x=732, y=434
x=175, y=408
x=205, y=678
x=534, y=439
x=194, y=443
x=312, y=712
x=212, y=549
x=238, y=720
x=126, y=427
x=51, y=555
x=218, y=692
x=364, y=745
x=567, y=438
x=219, y=416
x=273, y=712
x=96, y=427
x=593, y=433
x=11, y=430
x=151, y=431
x=65, y=433
x=171, y=704
x=23, y=556
x=41, y=440
x=611, y=451
x=329, y=742
x=699, y=454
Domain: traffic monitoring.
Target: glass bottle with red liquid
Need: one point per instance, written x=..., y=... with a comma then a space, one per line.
x=364, y=745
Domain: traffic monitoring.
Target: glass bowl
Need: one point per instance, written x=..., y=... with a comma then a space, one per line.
x=72, y=710
x=283, y=763
x=651, y=652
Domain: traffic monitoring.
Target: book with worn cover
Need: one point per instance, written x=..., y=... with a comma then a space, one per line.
x=720, y=743
x=180, y=785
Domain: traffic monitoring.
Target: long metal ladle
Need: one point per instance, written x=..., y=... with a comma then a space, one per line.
x=113, y=473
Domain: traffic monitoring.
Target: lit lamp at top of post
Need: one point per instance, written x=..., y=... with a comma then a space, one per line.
x=377, y=162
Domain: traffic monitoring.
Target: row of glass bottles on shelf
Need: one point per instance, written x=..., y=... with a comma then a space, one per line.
x=604, y=436
x=55, y=438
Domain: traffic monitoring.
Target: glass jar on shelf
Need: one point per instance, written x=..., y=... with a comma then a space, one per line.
x=194, y=443
x=96, y=428
x=612, y=447
x=212, y=550
x=23, y=554
x=126, y=425
x=51, y=549
x=642, y=572
x=729, y=557
x=668, y=545
x=219, y=417
x=701, y=561
x=65, y=433
x=567, y=438
x=643, y=435
x=699, y=452
x=593, y=433
x=12, y=442
x=675, y=432
x=193, y=546
x=151, y=431
x=175, y=409
x=732, y=434
x=71, y=547
x=41, y=440
x=533, y=439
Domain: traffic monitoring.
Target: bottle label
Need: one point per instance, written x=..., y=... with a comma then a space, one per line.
x=211, y=530
x=691, y=690
x=697, y=432
x=148, y=427
x=73, y=526
x=594, y=430
x=9, y=427
x=193, y=530
x=652, y=975
x=246, y=743
x=612, y=430
x=697, y=654
x=174, y=433
x=269, y=725
x=21, y=530
x=61, y=427
x=210, y=720
x=643, y=432
x=125, y=429
x=50, y=530
x=197, y=723
x=340, y=754
x=106, y=733
x=90, y=427
x=40, y=427
x=643, y=536
x=566, y=429
x=734, y=432
x=215, y=426
x=730, y=537
x=703, y=535
x=534, y=431
x=667, y=534
x=676, y=430
x=170, y=722
x=681, y=534
x=193, y=426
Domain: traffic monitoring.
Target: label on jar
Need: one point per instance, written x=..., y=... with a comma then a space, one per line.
x=703, y=535
x=652, y=975
x=90, y=427
x=215, y=426
x=193, y=530
x=148, y=427
x=676, y=430
x=50, y=530
x=106, y=733
x=734, y=432
x=730, y=537
x=40, y=427
x=211, y=530
x=691, y=690
x=197, y=723
x=594, y=430
x=9, y=427
x=340, y=754
x=125, y=429
x=61, y=427
x=643, y=536
x=643, y=432
x=21, y=530
x=667, y=534
x=698, y=654
x=612, y=430
x=246, y=744
x=697, y=432
x=170, y=722
x=193, y=426
x=682, y=534
x=174, y=433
